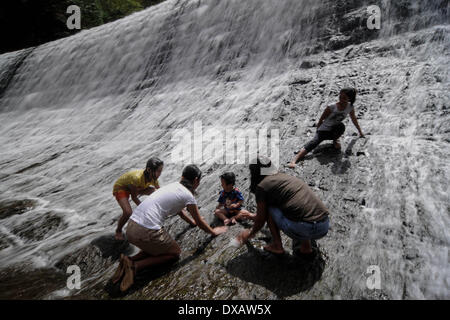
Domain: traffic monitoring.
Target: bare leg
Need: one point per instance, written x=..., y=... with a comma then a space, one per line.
x=298, y=157
x=305, y=247
x=276, y=246
x=139, y=256
x=121, y=268
x=153, y=260
x=126, y=213
x=132, y=267
x=244, y=214
x=221, y=214
x=148, y=261
x=336, y=133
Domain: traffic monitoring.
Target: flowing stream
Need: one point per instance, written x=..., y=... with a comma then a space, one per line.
x=78, y=112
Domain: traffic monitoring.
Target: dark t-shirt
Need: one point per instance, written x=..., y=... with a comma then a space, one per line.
x=232, y=197
x=292, y=196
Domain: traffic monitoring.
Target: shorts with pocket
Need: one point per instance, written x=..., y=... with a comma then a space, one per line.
x=153, y=242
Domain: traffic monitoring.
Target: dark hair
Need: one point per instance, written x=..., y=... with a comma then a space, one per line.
x=153, y=164
x=255, y=171
x=189, y=174
x=350, y=93
x=229, y=178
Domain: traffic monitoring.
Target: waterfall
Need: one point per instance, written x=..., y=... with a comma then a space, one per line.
x=78, y=112
x=181, y=40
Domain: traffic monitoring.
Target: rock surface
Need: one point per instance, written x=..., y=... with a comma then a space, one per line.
x=81, y=111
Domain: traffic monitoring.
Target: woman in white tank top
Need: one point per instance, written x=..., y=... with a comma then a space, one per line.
x=330, y=126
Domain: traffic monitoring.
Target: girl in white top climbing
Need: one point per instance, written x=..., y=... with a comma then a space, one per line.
x=330, y=126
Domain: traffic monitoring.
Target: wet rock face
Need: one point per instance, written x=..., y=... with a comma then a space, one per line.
x=12, y=207
x=387, y=193
x=40, y=227
x=96, y=257
x=9, y=68
x=17, y=283
x=5, y=242
x=285, y=276
x=209, y=269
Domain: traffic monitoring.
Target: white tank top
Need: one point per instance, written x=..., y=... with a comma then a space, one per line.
x=336, y=117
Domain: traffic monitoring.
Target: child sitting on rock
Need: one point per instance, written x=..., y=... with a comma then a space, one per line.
x=229, y=209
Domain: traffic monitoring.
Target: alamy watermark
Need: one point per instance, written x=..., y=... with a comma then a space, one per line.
x=374, y=280
x=374, y=20
x=74, y=20
x=226, y=146
x=74, y=280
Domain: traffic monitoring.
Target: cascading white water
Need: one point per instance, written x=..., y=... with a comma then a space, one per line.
x=78, y=112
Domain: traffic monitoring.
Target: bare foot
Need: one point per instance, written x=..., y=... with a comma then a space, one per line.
x=119, y=236
x=119, y=271
x=292, y=165
x=272, y=248
x=130, y=273
x=220, y=230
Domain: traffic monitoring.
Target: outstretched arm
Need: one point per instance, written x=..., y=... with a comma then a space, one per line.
x=260, y=220
x=355, y=122
x=134, y=194
x=325, y=115
x=148, y=191
x=185, y=217
x=201, y=223
x=237, y=204
x=219, y=205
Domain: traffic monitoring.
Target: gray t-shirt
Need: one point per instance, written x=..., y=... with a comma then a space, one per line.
x=336, y=117
x=292, y=196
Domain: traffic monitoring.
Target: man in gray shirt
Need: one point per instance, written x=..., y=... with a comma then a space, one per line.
x=286, y=203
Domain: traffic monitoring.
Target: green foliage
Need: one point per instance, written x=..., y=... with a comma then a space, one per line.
x=38, y=21
x=148, y=3
x=116, y=9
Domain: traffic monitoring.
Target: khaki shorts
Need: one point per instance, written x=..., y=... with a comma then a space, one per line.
x=153, y=242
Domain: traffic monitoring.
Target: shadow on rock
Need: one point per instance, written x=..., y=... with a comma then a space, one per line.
x=144, y=277
x=97, y=256
x=349, y=150
x=284, y=275
x=110, y=247
x=141, y=280
x=327, y=154
x=27, y=284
